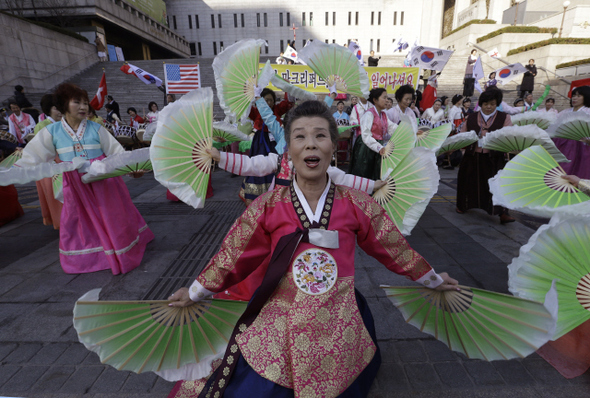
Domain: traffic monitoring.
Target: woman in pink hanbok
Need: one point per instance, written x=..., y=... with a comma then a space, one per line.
x=307, y=331
x=100, y=227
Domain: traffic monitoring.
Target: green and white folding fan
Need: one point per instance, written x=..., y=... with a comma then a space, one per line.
x=179, y=148
x=57, y=183
x=518, y=138
x=541, y=119
x=342, y=129
x=433, y=138
x=150, y=336
x=223, y=131
x=119, y=165
x=478, y=323
x=337, y=65
x=409, y=187
x=532, y=183
x=11, y=159
x=458, y=141
x=558, y=251
x=292, y=90
x=399, y=145
x=571, y=125
x=237, y=73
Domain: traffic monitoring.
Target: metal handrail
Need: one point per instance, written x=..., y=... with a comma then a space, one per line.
x=47, y=77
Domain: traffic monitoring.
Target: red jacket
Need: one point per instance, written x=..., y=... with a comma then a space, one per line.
x=279, y=110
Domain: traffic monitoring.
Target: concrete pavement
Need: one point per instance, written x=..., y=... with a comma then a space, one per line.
x=40, y=355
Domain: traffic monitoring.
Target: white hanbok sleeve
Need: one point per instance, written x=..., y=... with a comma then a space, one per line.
x=350, y=180
x=108, y=143
x=367, y=135
x=511, y=110
x=39, y=150
x=256, y=166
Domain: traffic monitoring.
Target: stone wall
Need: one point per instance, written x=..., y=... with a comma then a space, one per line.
x=38, y=58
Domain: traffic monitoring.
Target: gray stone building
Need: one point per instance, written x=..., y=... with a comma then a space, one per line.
x=211, y=25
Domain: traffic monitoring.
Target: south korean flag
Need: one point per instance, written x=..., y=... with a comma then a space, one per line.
x=506, y=73
x=429, y=57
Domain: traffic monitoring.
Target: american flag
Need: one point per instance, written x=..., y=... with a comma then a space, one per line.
x=180, y=79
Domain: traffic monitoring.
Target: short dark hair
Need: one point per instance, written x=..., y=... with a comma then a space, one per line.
x=109, y=97
x=150, y=105
x=516, y=101
x=550, y=100
x=131, y=109
x=584, y=91
x=108, y=107
x=311, y=109
x=474, y=50
x=491, y=93
x=490, y=75
x=340, y=102
x=19, y=88
x=531, y=60
x=268, y=91
x=12, y=102
x=376, y=93
x=66, y=92
x=456, y=98
x=403, y=90
x=47, y=102
x=466, y=99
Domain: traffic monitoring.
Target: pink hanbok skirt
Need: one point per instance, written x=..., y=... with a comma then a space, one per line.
x=100, y=227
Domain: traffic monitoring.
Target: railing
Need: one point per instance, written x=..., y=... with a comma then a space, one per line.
x=575, y=70
x=51, y=75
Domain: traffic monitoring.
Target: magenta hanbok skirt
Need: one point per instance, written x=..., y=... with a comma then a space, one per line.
x=578, y=153
x=100, y=227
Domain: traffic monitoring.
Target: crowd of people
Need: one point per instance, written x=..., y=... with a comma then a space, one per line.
x=295, y=198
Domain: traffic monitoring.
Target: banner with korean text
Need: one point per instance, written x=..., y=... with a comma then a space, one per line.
x=305, y=78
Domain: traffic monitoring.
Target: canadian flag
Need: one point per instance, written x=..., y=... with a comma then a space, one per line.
x=98, y=100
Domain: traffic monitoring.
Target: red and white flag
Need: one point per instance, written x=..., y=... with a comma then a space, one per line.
x=180, y=79
x=506, y=73
x=98, y=100
x=142, y=75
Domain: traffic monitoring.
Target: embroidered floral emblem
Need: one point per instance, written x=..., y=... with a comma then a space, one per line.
x=315, y=271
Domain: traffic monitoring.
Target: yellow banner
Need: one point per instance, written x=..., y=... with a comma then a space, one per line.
x=305, y=78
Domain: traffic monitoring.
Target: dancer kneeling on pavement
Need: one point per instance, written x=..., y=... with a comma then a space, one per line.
x=479, y=164
x=305, y=333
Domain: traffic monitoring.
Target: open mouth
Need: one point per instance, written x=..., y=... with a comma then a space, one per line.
x=312, y=161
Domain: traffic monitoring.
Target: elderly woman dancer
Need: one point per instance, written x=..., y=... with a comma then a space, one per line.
x=304, y=336
x=478, y=164
x=100, y=227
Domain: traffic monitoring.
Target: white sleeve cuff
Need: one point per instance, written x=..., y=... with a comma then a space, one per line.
x=222, y=160
x=198, y=292
x=430, y=280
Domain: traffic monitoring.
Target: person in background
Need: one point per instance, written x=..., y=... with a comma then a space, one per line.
x=404, y=97
x=518, y=103
x=136, y=120
x=376, y=129
x=434, y=114
x=342, y=118
x=100, y=49
x=469, y=81
x=280, y=60
x=3, y=118
x=528, y=102
x=114, y=106
x=170, y=98
x=20, y=98
x=353, y=101
x=20, y=124
x=491, y=80
x=50, y=207
x=415, y=109
x=549, y=107
x=93, y=117
x=111, y=115
x=355, y=117
x=479, y=164
x=466, y=110
x=455, y=113
x=445, y=104
x=152, y=116
x=372, y=60
x=528, y=80
x=389, y=103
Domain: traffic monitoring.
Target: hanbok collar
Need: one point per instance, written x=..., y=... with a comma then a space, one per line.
x=323, y=208
x=487, y=117
x=50, y=118
x=75, y=136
